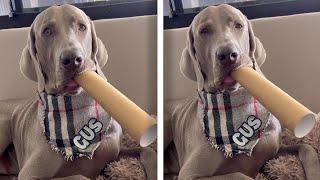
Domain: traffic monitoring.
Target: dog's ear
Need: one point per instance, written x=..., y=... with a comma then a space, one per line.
x=257, y=51
x=99, y=51
x=29, y=64
x=27, y=57
x=189, y=65
x=187, y=58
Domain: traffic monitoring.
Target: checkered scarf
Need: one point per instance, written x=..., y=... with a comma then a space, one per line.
x=232, y=121
x=73, y=125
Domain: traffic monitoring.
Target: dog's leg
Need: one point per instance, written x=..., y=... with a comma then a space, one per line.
x=232, y=176
x=40, y=166
x=196, y=168
x=6, y=110
x=170, y=177
x=31, y=171
x=308, y=157
x=167, y=126
x=75, y=177
x=149, y=160
x=8, y=162
x=8, y=177
x=5, y=132
x=171, y=162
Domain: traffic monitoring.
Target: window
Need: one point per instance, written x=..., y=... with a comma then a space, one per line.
x=203, y=3
x=21, y=13
x=4, y=7
x=179, y=13
x=43, y=3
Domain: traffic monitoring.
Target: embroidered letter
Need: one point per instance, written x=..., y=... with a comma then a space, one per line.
x=254, y=121
x=241, y=142
x=77, y=141
x=95, y=125
x=88, y=135
x=248, y=132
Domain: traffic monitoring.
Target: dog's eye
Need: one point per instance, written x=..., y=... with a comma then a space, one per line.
x=82, y=27
x=238, y=25
x=47, y=31
x=204, y=30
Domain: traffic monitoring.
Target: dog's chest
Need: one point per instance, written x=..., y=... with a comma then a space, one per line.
x=89, y=167
x=189, y=137
x=29, y=141
x=266, y=149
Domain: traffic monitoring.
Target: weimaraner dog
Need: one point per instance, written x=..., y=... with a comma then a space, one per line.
x=62, y=42
x=220, y=39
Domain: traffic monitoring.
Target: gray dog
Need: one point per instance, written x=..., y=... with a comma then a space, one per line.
x=62, y=42
x=220, y=39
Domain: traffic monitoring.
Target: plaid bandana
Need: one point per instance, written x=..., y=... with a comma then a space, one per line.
x=232, y=121
x=73, y=125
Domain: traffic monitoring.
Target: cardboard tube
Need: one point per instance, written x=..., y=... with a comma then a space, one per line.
x=136, y=122
x=292, y=114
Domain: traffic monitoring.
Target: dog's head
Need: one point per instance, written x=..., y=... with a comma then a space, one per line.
x=62, y=43
x=219, y=39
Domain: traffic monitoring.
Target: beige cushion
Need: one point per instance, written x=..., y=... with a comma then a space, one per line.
x=132, y=48
x=293, y=57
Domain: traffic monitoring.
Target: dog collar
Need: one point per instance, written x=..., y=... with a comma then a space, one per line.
x=73, y=125
x=232, y=121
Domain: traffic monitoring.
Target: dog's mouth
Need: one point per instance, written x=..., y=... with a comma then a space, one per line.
x=224, y=83
x=228, y=83
x=72, y=85
x=71, y=88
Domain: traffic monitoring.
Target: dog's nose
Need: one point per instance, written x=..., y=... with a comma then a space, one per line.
x=71, y=60
x=227, y=55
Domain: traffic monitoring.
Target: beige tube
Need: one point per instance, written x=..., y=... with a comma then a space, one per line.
x=136, y=122
x=292, y=114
